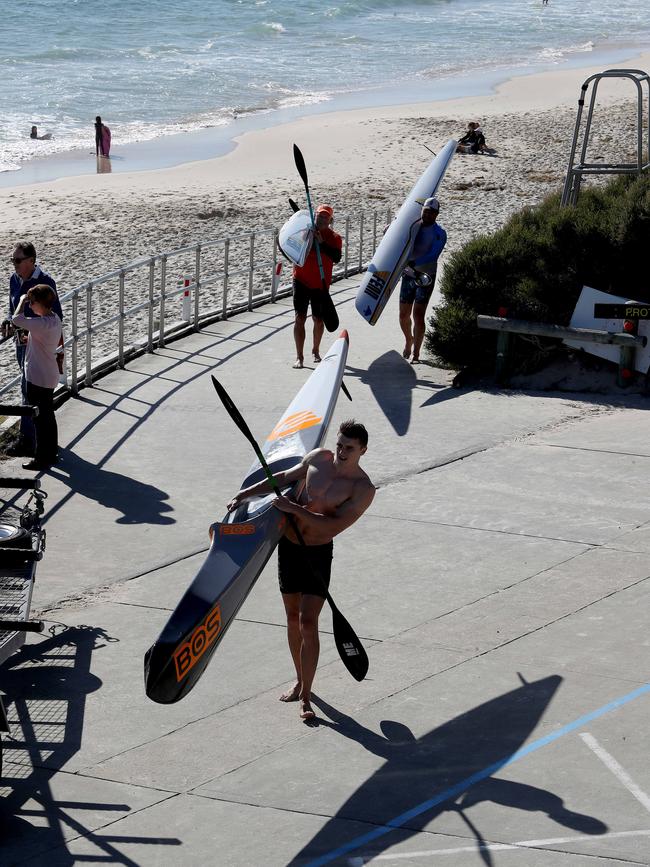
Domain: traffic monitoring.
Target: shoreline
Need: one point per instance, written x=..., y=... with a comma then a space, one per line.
x=359, y=161
x=185, y=148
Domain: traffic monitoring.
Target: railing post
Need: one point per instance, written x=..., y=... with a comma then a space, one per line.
x=251, y=265
x=74, y=362
x=163, y=286
x=197, y=286
x=226, y=256
x=120, y=322
x=274, y=280
x=88, y=378
x=347, y=244
x=361, y=242
x=152, y=277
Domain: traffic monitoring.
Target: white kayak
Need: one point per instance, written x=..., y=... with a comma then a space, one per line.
x=394, y=249
x=296, y=236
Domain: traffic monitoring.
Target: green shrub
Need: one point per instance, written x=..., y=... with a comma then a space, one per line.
x=536, y=265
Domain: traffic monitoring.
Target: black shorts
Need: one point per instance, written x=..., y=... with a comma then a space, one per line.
x=303, y=297
x=296, y=566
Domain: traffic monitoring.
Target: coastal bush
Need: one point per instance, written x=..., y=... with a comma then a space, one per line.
x=535, y=266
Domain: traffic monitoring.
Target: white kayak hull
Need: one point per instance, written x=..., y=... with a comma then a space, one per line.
x=296, y=237
x=392, y=254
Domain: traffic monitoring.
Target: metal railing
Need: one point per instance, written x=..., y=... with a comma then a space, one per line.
x=130, y=310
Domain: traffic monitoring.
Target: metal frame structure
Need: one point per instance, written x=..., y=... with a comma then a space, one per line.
x=576, y=171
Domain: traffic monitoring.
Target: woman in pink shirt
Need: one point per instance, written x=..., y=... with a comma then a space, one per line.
x=42, y=367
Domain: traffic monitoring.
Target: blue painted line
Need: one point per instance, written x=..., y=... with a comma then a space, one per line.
x=465, y=784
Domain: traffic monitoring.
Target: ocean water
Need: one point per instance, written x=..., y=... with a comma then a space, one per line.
x=165, y=66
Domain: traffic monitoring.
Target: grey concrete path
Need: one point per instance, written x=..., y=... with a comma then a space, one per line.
x=500, y=582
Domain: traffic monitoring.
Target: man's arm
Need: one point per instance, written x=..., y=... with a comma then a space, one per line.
x=283, y=478
x=19, y=317
x=344, y=515
x=330, y=244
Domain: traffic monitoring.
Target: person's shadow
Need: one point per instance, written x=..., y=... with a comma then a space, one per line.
x=139, y=503
x=46, y=685
x=449, y=768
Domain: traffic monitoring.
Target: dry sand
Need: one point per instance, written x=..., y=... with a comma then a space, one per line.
x=358, y=160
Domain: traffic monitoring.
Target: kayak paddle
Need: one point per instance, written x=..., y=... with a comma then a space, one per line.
x=351, y=651
x=333, y=318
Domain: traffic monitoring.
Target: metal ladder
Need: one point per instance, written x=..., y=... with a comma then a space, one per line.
x=576, y=171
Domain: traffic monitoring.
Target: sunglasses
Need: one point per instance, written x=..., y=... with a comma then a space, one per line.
x=17, y=261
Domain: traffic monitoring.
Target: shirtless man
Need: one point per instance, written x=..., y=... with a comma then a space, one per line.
x=336, y=492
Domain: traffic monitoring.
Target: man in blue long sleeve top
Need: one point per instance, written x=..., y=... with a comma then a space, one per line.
x=414, y=294
x=26, y=275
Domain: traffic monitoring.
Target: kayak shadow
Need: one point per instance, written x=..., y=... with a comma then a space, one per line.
x=450, y=768
x=392, y=380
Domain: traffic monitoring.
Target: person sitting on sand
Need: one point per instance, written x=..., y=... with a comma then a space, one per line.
x=469, y=139
x=480, y=144
x=34, y=134
x=473, y=142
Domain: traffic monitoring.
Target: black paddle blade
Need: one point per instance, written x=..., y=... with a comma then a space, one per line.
x=232, y=411
x=351, y=651
x=300, y=164
x=328, y=311
x=294, y=207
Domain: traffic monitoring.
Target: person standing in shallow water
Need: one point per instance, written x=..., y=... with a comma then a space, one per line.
x=335, y=494
x=102, y=138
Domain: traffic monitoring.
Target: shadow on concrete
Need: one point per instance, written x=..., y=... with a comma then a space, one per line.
x=392, y=380
x=205, y=364
x=449, y=768
x=139, y=502
x=46, y=685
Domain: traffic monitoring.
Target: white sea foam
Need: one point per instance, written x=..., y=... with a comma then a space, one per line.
x=158, y=68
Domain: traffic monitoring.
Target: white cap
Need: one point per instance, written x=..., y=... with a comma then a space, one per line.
x=431, y=204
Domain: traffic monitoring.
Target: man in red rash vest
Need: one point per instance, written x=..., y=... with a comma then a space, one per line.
x=309, y=288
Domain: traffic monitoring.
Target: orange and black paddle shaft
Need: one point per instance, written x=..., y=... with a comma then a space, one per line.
x=351, y=651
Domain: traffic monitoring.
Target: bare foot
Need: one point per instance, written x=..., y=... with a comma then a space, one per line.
x=407, y=351
x=298, y=364
x=306, y=710
x=317, y=357
x=291, y=694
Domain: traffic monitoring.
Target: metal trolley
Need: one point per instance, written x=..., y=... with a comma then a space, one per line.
x=22, y=543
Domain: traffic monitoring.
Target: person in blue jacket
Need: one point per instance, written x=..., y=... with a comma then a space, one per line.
x=419, y=279
x=27, y=273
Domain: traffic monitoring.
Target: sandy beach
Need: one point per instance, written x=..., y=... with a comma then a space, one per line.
x=358, y=161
